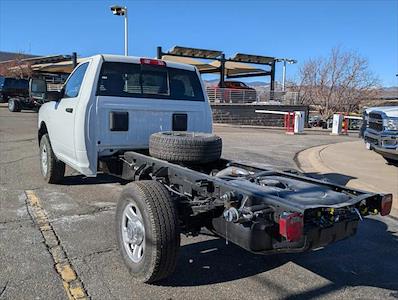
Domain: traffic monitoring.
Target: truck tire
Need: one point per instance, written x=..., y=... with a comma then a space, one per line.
x=185, y=147
x=13, y=105
x=147, y=230
x=52, y=169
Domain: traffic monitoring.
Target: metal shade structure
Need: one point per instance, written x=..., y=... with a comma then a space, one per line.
x=236, y=69
x=43, y=59
x=253, y=59
x=226, y=67
x=200, y=65
x=195, y=52
x=58, y=67
x=40, y=66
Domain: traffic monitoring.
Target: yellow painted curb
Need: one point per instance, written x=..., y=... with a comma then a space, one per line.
x=70, y=281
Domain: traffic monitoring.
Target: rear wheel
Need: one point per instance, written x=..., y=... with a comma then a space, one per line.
x=185, y=147
x=147, y=231
x=52, y=169
x=14, y=106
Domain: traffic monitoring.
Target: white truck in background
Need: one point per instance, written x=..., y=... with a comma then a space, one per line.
x=381, y=131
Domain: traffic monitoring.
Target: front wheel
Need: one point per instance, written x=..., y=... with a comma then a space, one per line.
x=14, y=106
x=52, y=169
x=147, y=230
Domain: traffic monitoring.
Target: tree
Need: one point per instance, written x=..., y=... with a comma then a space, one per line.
x=17, y=68
x=337, y=83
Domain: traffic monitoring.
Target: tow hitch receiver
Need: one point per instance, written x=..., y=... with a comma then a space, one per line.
x=291, y=226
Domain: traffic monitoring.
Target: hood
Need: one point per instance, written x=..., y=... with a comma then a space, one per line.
x=389, y=111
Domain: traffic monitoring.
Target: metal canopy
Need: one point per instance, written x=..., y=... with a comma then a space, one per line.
x=47, y=59
x=200, y=65
x=236, y=69
x=52, y=64
x=195, y=52
x=229, y=68
x=253, y=59
x=56, y=67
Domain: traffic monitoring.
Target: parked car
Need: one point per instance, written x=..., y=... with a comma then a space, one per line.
x=381, y=131
x=13, y=87
x=354, y=124
x=236, y=92
x=149, y=122
x=315, y=121
x=236, y=85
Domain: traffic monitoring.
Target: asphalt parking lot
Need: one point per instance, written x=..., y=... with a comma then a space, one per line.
x=80, y=213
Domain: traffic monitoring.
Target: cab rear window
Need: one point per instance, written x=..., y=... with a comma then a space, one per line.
x=148, y=81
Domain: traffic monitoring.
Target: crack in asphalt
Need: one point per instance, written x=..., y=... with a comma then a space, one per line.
x=85, y=214
x=84, y=259
x=99, y=252
x=3, y=290
x=16, y=221
x=17, y=141
x=17, y=160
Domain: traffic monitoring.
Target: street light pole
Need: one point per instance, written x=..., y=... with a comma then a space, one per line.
x=122, y=11
x=285, y=60
x=284, y=75
x=126, y=47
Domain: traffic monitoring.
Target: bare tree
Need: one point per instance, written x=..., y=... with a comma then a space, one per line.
x=16, y=68
x=337, y=83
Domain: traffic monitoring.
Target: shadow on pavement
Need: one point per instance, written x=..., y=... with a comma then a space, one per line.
x=367, y=259
x=83, y=180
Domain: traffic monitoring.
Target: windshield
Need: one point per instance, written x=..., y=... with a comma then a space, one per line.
x=147, y=81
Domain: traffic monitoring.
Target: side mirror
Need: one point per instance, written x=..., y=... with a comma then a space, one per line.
x=54, y=95
x=37, y=88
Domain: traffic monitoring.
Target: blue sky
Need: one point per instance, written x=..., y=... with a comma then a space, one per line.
x=294, y=29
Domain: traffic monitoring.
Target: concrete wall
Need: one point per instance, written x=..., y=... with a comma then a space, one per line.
x=244, y=114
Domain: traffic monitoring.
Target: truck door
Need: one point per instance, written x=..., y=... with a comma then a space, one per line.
x=63, y=139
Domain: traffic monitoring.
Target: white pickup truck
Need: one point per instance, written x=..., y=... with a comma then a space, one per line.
x=111, y=103
x=149, y=122
x=381, y=131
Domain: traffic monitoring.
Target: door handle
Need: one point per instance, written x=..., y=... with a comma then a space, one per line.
x=69, y=110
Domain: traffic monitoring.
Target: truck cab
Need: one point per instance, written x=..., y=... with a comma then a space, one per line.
x=113, y=103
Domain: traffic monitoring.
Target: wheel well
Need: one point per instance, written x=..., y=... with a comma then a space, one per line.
x=42, y=131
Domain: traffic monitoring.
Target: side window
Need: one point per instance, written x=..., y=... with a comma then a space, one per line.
x=72, y=86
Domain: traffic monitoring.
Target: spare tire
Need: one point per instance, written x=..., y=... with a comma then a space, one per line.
x=185, y=147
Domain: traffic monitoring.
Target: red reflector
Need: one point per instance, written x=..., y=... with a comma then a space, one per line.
x=291, y=226
x=386, y=204
x=154, y=62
